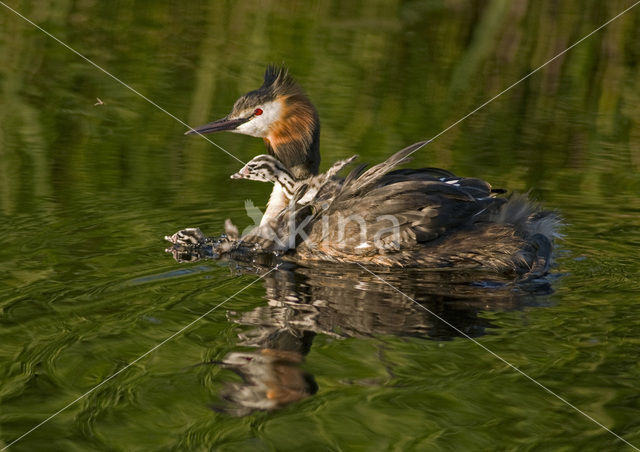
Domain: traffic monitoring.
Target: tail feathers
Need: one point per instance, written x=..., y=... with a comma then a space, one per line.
x=528, y=218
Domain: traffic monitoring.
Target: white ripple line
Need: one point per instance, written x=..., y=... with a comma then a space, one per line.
x=136, y=360
x=524, y=78
x=119, y=81
x=499, y=357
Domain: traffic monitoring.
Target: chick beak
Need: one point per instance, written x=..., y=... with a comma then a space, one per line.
x=218, y=126
x=241, y=174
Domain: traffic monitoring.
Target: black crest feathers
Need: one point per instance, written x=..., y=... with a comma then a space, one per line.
x=277, y=80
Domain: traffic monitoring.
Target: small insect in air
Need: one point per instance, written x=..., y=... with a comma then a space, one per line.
x=99, y=102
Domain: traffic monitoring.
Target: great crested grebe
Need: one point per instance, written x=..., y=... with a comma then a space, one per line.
x=384, y=216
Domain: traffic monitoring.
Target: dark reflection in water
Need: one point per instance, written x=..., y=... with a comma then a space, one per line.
x=271, y=378
x=343, y=302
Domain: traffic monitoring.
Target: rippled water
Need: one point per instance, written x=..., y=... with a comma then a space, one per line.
x=319, y=357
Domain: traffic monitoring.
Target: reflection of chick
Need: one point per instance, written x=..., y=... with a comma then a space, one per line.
x=271, y=379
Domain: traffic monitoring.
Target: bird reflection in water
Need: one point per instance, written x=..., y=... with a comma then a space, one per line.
x=271, y=379
x=348, y=302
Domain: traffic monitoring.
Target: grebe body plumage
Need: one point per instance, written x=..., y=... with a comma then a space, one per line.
x=433, y=218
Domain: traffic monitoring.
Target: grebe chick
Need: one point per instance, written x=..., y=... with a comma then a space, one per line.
x=266, y=168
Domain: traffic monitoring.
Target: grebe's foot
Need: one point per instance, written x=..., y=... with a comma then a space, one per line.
x=189, y=237
x=231, y=230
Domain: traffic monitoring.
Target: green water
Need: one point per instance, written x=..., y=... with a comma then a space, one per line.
x=87, y=193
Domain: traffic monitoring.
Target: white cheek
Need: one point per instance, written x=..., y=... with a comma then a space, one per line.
x=259, y=126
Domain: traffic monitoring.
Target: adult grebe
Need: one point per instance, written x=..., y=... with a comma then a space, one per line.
x=281, y=114
x=434, y=218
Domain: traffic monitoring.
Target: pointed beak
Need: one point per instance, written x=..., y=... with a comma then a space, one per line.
x=241, y=174
x=218, y=126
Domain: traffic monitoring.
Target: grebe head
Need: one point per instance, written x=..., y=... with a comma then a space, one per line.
x=281, y=114
x=265, y=168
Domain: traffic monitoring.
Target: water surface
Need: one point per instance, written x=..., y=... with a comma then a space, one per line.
x=87, y=193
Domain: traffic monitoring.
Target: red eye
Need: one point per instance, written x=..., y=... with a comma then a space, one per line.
x=258, y=111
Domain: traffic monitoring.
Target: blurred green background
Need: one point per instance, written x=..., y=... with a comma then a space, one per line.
x=87, y=193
